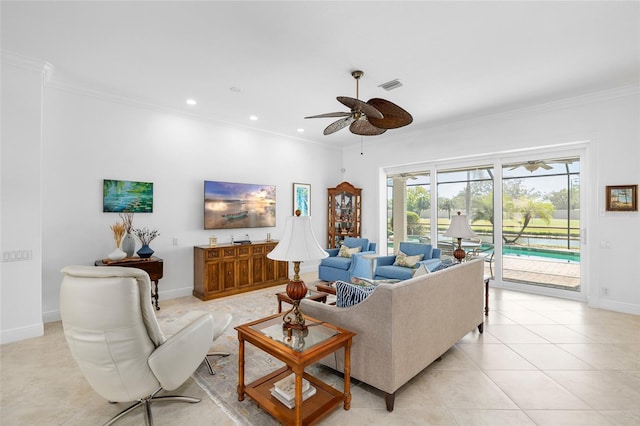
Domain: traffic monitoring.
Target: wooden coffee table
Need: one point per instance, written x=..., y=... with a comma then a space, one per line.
x=318, y=296
x=297, y=352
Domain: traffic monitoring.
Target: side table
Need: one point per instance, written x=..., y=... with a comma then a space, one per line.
x=152, y=266
x=372, y=259
x=318, y=296
x=297, y=351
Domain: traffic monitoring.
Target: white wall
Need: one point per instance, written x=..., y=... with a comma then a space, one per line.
x=21, y=199
x=608, y=120
x=56, y=151
x=89, y=139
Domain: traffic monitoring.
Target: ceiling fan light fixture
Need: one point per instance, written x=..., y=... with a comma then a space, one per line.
x=390, y=85
x=369, y=118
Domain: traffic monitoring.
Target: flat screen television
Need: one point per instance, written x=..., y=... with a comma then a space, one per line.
x=230, y=205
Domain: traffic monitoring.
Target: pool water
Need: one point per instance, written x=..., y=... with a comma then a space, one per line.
x=572, y=256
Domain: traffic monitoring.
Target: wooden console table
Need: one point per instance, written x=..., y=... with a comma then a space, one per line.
x=297, y=352
x=152, y=266
x=235, y=268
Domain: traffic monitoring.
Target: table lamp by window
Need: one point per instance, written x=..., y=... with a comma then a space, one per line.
x=297, y=245
x=459, y=228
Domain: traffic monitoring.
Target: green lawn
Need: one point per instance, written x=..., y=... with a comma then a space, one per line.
x=556, y=227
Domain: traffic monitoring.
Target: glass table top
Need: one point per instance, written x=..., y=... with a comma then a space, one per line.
x=297, y=340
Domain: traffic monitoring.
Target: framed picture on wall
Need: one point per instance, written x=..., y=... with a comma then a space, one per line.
x=302, y=198
x=127, y=196
x=622, y=198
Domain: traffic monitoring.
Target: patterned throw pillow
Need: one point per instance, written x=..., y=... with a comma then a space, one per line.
x=407, y=261
x=364, y=282
x=348, y=294
x=446, y=263
x=347, y=252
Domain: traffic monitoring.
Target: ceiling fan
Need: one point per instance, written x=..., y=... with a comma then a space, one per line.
x=532, y=166
x=369, y=118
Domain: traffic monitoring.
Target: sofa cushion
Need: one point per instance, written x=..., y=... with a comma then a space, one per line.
x=403, y=259
x=336, y=262
x=394, y=272
x=348, y=294
x=347, y=252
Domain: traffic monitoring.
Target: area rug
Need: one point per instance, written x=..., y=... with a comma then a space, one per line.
x=222, y=386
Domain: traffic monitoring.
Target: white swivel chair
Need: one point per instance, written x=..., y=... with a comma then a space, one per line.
x=112, y=332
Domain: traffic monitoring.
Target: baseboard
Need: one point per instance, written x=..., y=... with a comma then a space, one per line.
x=22, y=333
x=175, y=293
x=610, y=305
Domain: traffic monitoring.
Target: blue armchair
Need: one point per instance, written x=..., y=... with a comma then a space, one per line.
x=386, y=269
x=335, y=268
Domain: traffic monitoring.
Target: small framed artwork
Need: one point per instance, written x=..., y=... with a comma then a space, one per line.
x=302, y=198
x=127, y=196
x=213, y=241
x=622, y=198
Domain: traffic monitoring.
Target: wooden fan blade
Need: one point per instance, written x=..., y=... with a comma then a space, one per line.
x=331, y=114
x=358, y=105
x=394, y=116
x=337, y=125
x=364, y=128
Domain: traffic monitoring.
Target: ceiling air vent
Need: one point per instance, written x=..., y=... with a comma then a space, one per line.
x=390, y=85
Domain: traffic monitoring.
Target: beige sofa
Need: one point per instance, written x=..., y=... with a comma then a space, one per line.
x=402, y=328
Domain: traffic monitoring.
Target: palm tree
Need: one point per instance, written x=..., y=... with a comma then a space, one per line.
x=525, y=209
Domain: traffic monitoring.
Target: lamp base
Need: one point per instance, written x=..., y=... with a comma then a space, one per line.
x=459, y=252
x=293, y=318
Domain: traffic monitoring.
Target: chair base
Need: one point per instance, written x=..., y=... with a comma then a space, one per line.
x=146, y=403
x=209, y=365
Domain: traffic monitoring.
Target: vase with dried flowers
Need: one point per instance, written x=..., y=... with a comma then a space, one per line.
x=128, y=241
x=118, y=231
x=145, y=235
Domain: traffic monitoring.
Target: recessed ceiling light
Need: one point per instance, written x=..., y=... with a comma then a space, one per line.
x=191, y=102
x=253, y=117
x=235, y=89
x=300, y=130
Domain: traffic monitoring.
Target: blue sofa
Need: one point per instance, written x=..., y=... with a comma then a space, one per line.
x=335, y=268
x=385, y=268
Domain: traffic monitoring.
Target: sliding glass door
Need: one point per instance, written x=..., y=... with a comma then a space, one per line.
x=541, y=223
x=529, y=234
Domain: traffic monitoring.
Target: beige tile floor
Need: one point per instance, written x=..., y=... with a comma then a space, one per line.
x=541, y=361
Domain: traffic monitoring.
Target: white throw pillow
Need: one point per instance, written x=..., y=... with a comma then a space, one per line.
x=421, y=270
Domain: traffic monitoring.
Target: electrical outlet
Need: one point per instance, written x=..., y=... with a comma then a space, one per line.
x=605, y=291
x=175, y=241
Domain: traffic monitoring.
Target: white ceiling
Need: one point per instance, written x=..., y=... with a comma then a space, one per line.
x=291, y=59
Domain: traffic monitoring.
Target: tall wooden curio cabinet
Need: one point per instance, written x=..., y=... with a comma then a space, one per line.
x=344, y=213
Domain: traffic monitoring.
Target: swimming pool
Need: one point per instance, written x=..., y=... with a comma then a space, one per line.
x=572, y=256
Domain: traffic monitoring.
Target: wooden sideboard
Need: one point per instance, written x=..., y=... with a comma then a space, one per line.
x=235, y=268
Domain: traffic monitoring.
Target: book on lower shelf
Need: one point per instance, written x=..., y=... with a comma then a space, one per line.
x=287, y=386
x=291, y=403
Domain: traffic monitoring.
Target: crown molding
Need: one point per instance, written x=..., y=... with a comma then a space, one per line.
x=75, y=86
x=553, y=105
x=28, y=63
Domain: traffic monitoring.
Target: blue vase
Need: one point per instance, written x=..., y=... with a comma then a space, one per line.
x=145, y=251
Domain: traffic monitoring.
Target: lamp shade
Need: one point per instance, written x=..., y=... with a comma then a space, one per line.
x=298, y=242
x=459, y=227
